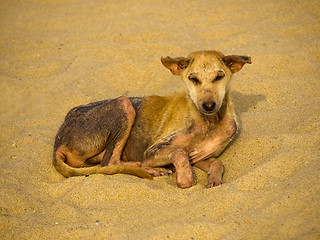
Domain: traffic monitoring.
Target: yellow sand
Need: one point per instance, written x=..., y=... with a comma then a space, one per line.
x=57, y=54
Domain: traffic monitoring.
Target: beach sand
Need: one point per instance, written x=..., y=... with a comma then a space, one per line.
x=55, y=55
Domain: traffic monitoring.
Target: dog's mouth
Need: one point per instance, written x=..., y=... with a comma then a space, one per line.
x=208, y=112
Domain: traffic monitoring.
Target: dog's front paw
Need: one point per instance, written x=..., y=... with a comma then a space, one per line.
x=186, y=183
x=213, y=181
x=185, y=178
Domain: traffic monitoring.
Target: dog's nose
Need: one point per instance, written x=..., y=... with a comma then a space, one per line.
x=209, y=106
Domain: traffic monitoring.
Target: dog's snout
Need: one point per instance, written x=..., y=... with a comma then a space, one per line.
x=209, y=106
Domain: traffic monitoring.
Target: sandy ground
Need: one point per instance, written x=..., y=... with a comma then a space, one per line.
x=57, y=54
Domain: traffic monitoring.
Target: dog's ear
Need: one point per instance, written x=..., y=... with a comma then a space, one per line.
x=235, y=62
x=175, y=65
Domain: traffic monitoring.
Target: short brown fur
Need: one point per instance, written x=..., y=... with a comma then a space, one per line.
x=141, y=136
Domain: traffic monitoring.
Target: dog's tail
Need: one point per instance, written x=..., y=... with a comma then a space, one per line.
x=69, y=171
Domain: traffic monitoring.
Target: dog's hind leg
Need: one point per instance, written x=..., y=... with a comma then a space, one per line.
x=95, y=133
x=113, y=152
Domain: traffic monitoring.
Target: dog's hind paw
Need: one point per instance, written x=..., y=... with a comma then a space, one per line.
x=158, y=172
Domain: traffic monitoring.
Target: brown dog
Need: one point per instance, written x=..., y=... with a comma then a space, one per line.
x=140, y=136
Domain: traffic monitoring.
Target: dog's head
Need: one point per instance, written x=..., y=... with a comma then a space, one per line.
x=207, y=76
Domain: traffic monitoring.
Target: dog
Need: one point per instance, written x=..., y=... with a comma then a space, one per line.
x=143, y=135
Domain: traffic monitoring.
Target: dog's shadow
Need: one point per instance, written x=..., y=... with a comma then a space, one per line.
x=243, y=103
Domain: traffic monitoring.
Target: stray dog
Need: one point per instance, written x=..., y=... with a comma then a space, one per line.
x=143, y=135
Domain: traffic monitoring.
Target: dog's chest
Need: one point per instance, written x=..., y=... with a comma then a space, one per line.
x=197, y=140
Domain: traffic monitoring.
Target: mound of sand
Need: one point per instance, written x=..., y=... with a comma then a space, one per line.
x=56, y=54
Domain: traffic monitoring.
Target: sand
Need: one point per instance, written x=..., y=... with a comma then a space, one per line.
x=57, y=54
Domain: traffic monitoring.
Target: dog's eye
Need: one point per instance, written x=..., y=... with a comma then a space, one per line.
x=194, y=80
x=220, y=75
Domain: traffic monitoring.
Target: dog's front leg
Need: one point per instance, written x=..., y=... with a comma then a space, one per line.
x=214, y=169
x=176, y=156
x=183, y=168
x=224, y=134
